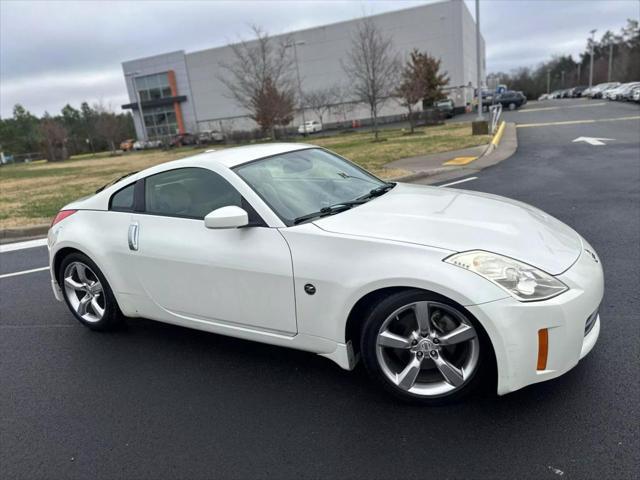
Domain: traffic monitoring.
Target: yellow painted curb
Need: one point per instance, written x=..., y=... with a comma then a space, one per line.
x=460, y=161
x=498, y=135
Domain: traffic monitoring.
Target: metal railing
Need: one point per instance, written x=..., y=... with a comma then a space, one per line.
x=496, y=113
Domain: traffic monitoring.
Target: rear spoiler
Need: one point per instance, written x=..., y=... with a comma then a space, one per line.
x=112, y=182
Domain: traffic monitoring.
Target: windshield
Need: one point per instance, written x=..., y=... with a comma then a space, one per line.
x=300, y=183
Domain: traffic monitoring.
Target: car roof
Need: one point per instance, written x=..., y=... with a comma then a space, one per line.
x=228, y=157
x=232, y=157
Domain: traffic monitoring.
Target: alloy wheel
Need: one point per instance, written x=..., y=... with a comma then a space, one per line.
x=428, y=349
x=84, y=292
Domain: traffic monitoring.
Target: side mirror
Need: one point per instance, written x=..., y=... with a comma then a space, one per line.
x=227, y=217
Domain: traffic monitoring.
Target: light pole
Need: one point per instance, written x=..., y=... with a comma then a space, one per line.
x=133, y=76
x=295, y=56
x=478, y=61
x=548, y=81
x=593, y=32
x=579, y=82
x=610, y=62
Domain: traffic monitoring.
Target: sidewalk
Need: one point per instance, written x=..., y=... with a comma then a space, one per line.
x=433, y=166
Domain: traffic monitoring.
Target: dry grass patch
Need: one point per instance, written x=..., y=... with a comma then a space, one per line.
x=32, y=193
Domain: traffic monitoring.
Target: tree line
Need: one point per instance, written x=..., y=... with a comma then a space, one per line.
x=261, y=79
x=563, y=71
x=87, y=130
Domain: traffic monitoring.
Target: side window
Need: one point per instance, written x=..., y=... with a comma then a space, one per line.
x=122, y=200
x=188, y=192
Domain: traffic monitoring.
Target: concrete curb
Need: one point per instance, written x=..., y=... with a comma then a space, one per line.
x=423, y=174
x=9, y=235
x=502, y=146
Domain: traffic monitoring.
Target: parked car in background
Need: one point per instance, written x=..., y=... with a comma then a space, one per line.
x=544, y=96
x=127, y=145
x=445, y=106
x=511, y=100
x=210, y=136
x=635, y=94
x=607, y=92
x=183, y=140
x=611, y=93
x=624, y=91
x=488, y=98
x=576, y=92
x=146, y=144
x=524, y=97
x=555, y=94
x=310, y=126
x=598, y=90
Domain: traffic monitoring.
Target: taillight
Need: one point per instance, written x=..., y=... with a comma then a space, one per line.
x=62, y=214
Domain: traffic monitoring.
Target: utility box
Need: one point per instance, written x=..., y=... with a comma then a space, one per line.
x=480, y=127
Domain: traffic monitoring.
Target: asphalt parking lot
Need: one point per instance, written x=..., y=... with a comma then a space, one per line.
x=158, y=401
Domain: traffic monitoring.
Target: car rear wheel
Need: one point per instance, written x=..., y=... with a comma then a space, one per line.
x=512, y=106
x=423, y=348
x=87, y=293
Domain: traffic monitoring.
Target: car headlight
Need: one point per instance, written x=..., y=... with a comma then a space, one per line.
x=522, y=281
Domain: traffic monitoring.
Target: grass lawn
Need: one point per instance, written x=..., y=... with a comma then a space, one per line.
x=32, y=193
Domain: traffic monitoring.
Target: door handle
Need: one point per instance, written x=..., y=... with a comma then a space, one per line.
x=133, y=236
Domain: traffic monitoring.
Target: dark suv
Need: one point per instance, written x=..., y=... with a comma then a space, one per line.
x=511, y=100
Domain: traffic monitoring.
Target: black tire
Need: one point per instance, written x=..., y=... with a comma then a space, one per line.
x=512, y=106
x=112, y=317
x=368, y=345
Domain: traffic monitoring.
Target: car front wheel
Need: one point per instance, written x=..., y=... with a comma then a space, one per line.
x=423, y=348
x=87, y=293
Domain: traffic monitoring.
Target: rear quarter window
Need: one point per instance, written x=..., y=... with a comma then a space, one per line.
x=122, y=200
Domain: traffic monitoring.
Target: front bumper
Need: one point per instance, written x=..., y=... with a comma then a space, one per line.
x=51, y=240
x=513, y=327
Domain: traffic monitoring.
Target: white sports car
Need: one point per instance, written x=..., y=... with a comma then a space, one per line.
x=295, y=246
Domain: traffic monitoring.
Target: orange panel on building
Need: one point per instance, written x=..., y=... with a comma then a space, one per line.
x=171, y=75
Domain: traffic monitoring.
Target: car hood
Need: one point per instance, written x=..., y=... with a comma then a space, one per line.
x=460, y=220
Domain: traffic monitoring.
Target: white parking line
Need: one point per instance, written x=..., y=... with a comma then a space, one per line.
x=11, y=247
x=24, y=272
x=527, y=110
x=458, y=181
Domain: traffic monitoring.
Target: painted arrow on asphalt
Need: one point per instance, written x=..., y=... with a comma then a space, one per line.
x=592, y=140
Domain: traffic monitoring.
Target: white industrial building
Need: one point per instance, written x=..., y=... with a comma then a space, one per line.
x=182, y=92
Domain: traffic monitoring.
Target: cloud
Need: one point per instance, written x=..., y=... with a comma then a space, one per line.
x=58, y=52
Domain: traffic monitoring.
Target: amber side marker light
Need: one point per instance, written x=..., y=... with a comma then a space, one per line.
x=543, y=348
x=62, y=214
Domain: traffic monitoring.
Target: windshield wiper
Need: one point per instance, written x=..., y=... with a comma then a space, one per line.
x=346, y=205
x=376, y=192
x=112, y=182
x=330, y=210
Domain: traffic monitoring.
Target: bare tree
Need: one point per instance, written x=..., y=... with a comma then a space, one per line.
x=321, y=101
x=260, y=80
x=371, y=66
x=54, y=138
x=344, y=102
x=108, y=125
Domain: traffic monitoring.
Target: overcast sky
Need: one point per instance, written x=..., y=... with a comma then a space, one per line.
x=58, y=52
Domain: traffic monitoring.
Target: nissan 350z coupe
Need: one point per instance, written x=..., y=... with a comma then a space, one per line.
x=295, y=246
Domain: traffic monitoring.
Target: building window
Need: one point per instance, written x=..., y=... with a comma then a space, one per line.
x=160, y=122
x=153, y=87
